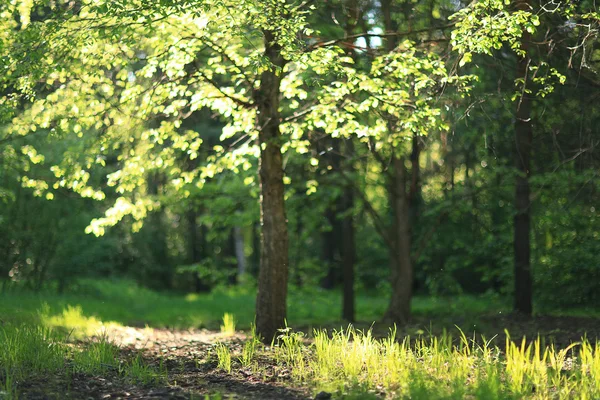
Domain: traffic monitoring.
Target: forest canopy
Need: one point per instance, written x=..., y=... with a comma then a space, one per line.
x=398, y=147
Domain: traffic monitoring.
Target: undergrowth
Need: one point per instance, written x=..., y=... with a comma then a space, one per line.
x=352, y=363
x=29, y=351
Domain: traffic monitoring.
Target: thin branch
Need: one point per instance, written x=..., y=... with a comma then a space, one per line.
x=215, y=84
x=367, y=35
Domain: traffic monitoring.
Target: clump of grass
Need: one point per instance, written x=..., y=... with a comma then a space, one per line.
x=30, y=350
x=98, y=356
x=7, y=389
x=228, y=326
x=249, y=349
x=290, y=346
x=27, y=351
x=223, y=357
x=139, y=372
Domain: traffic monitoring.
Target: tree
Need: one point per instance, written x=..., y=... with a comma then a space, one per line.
x=523, y=139
x=271, y=300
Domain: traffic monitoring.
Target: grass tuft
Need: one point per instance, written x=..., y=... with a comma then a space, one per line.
x=228, y=326
x=140, y=372
x=223, y=357
x=97, y=357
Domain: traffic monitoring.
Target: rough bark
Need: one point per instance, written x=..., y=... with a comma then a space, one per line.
x=273, y=273
x=400, y=258
x=522, y=229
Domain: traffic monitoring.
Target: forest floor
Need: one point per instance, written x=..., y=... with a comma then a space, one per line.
x=190, y=366
x=187, y=356
x=118, y=341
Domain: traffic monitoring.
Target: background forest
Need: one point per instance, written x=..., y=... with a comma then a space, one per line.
x=371, y=151
x=64, y=164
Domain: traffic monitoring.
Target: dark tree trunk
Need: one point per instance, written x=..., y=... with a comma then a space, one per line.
x=331, y=248
x=400, y=258
x=401, y=263
x=273, y=274
x=523, y=140
x=162, y=274
x=348, y=245
x=193, y=253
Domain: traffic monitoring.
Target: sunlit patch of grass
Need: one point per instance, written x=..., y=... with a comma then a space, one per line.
x=353, y=364
x=223, y=357
x=104, y=299
x=28, y=351
x=74, y=321
x=228, y=325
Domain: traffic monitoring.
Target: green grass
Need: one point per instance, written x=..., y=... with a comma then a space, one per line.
x=29, y=351
x=228, y=326
x=36, y=329
x=223, y=357
x=99, y=357
x=92, y=305
x=141, y=373
x=353, y=364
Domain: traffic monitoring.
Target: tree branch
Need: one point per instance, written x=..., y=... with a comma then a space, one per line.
x=367, y=35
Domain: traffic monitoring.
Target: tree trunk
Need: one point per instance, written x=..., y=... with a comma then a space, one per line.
x=348, y=245
x=240, y=256
x=355, y=15
x=193, y=254
x=401, y=264
x=400, y=259
x=331, y=245
x=523, y=140
x=273, y=274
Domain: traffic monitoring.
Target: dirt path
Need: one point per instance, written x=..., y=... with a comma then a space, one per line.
x=191, y=369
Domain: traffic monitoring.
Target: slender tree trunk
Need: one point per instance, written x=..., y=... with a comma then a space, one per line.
x=401, y=263
x=273, y=274
x=348, y=244
x=331, y=247
x=240, y=256
x=193, y=254
x=400, y=258
x=523, y=140
x=355, y=17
